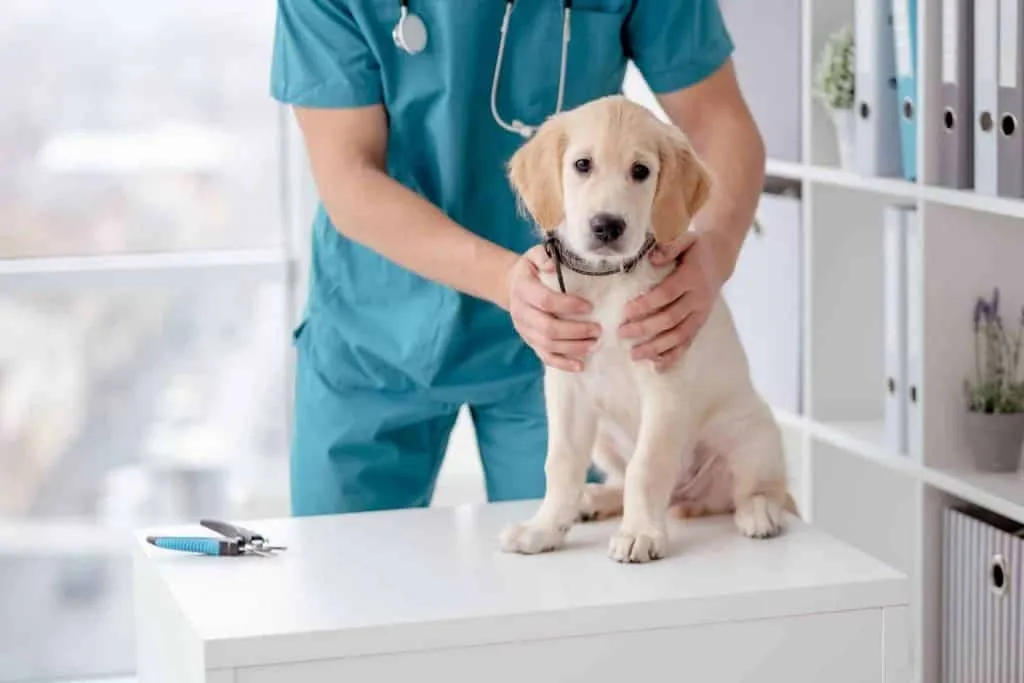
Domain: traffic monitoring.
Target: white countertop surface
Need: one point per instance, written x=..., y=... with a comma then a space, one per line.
x=418, y=579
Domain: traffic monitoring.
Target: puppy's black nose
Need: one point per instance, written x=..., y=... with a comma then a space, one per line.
x=607, y=227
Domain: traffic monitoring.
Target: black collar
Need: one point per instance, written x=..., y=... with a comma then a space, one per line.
x=563, y=256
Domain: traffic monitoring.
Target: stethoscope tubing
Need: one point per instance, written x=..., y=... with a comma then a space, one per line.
x=516, y=126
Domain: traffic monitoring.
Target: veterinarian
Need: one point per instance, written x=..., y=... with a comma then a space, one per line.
x=424, y=293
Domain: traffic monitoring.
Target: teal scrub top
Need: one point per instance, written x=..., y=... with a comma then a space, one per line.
x=376, y=324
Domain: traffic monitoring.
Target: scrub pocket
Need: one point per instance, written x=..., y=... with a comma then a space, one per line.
x=342, y=366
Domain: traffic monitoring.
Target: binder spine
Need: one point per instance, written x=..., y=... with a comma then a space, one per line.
x=895, y=307
x=956, y=146
x=913, y=396
x=904, y=29
x=877, y=128
x=986, y=95
x=1010, y=120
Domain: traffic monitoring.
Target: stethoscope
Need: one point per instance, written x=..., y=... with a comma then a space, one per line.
x=410, y=35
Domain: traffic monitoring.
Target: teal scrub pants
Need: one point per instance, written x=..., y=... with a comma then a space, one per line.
x=358, y=449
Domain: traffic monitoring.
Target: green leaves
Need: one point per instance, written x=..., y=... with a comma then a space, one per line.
x=834, y=76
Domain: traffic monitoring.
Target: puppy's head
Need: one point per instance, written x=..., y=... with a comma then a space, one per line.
x=606, y=175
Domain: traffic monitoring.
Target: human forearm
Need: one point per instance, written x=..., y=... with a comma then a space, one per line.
x=718, y=123
x=347, y=151
x=734, y=153
x=372, y=209
x=721, y=128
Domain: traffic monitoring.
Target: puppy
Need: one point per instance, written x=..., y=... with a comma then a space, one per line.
x=604, y=182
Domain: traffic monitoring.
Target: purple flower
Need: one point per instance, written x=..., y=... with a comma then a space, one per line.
x=979, y=313
x=995, y=302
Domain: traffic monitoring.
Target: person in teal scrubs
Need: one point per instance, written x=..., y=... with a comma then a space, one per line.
x=424, y=294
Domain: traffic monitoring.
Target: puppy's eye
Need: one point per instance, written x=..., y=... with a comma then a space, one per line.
x=583, y=165
x=639, y=172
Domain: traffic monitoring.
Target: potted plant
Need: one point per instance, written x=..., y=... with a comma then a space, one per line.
x=834, y=87
x=995, y=397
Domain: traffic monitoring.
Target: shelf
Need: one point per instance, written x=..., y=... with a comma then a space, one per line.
x=896, y=187
x=865, y=438
x=865, y=435
x=969, y=199
x=788, y=419
x=889, y=503
x=1001, y=493
x=789, y=170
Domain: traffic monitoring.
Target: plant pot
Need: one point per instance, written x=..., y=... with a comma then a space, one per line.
x=996, y=440
x=844, y=121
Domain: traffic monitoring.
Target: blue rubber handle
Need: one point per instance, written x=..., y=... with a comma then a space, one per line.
x=204, y=546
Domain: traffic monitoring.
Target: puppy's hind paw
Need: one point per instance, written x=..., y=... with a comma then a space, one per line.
x=759, y=517
x=598, y=502
x=644, y=546
x=530, y=538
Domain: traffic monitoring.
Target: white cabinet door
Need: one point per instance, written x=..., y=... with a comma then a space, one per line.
x=842, y=647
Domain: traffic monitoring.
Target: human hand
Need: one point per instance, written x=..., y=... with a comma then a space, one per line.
x=668, y=317
x=537, y=314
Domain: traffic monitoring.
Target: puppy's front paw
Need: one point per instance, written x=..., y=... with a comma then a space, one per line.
x=639, y=546
x=759, y=517
x=531, y=538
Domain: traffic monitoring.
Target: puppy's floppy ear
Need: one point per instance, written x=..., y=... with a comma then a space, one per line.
x=683, y=186
x=535, y=172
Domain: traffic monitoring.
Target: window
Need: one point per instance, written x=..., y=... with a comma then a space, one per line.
x=147, y=289
x=136, y=127
x=154, y=212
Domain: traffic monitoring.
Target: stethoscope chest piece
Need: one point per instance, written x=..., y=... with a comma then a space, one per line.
x=410, y=33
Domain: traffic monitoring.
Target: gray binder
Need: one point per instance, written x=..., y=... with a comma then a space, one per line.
x=956, y=146
x=1010, y=136
x=986, y=95
x=877, y=128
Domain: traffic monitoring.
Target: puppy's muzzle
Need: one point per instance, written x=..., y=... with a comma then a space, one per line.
x=607, y=228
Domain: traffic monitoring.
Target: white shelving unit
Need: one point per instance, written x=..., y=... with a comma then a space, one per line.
x=850, y=483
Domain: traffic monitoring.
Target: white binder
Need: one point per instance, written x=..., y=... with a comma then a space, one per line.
x=895, y=306
x=914, y=396
x=986, y=96
x=877, y=130
x=764, y=295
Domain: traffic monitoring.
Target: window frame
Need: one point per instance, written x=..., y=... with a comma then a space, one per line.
x=285, y=265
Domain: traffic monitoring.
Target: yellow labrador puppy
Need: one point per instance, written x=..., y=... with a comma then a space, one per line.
x=605, y=182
